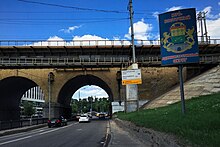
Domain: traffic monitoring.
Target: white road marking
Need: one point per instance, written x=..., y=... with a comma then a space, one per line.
x=49, y=131
x=55, y=129
x=37, y=133
x=15, y=140
x=21, y=134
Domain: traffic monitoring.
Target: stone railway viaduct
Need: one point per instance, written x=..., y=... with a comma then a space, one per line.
x=15, y=82
x=24, y=67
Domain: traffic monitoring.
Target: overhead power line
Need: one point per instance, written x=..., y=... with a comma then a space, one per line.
x=71, y=7
x=55, y=22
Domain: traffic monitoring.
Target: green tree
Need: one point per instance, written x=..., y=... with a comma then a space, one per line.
x=28, y=108
x=74, y=106
x=84, y=106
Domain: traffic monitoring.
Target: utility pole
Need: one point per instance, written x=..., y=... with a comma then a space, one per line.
x=202, y=20
x=206, y=33
x=132, y=89
x=132, y=30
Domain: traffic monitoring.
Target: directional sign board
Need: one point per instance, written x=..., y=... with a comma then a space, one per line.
x=131, y=76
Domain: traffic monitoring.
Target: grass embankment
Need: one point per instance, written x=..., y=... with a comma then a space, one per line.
x=200, y=125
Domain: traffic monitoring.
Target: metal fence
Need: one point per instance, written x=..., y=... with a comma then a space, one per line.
x=11, y=124
x=38, y=62
x=103, y=42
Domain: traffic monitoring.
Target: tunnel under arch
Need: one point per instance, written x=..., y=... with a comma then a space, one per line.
x=11, y=91
x=66, y=92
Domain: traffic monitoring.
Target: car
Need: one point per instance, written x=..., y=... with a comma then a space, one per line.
x=101, y=115
x=57, y=122
x=84, y=118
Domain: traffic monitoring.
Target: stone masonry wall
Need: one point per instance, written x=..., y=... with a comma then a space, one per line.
x=204, y=84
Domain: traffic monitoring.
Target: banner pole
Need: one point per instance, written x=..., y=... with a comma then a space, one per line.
x=182, y=89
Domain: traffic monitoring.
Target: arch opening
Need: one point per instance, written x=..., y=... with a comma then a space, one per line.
x=11, y=90
x=34, y=98
x=90, y=99
x=67, y=91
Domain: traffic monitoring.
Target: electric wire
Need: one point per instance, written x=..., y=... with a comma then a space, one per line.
x=72, y=7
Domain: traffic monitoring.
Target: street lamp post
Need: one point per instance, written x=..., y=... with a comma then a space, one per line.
x=91, y=104
x=50, y=80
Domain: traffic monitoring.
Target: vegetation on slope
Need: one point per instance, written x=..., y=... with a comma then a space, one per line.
x=200, y=125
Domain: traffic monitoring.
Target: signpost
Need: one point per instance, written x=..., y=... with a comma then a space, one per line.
x=179, y=43
x=131, y=77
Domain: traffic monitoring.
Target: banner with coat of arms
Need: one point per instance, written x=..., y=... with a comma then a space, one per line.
x=178, y=37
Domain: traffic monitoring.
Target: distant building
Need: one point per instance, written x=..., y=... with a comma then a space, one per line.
x=36, y=96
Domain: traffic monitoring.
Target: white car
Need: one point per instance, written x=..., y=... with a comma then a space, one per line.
x=84, y=118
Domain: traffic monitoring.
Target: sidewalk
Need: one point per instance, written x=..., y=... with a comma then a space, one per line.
x=121, y=138
x=19, y=130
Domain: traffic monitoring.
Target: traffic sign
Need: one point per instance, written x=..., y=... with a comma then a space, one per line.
x=131, y=77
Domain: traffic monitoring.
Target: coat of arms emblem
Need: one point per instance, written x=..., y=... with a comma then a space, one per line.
x=178, y=39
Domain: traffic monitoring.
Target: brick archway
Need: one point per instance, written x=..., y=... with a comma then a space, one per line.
x=11, y=90
x=71, y=86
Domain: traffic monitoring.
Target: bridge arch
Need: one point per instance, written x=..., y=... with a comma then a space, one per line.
x=71, y=86
x=11, y=90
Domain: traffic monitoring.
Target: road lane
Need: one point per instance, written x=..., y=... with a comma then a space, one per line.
x=74, y=134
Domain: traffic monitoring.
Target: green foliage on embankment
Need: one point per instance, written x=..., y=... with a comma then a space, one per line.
x=200, y=125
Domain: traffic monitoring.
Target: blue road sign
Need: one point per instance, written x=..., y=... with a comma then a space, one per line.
x=178, y=36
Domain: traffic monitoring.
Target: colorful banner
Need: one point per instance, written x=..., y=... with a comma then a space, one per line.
x=178, y=37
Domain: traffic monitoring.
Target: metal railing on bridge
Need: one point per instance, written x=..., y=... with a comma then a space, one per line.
x=74, y=61
x=105, y=42
x=89, y=62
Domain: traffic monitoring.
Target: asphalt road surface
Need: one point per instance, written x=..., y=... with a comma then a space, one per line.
x=73, y=135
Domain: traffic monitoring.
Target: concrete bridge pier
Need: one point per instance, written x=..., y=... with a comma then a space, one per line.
x=10, y=114
x=56, y=110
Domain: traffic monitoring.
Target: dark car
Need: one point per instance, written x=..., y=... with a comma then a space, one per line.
x=101, y=115
x=57, y=122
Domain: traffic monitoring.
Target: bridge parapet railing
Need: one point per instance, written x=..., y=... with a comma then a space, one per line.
x=80, y=61
x=11, y=124
x=105, y=42
x=64, y=42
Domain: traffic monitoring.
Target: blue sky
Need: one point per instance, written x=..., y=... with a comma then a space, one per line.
x=92, y=90
x=93, y=19
x=84, y=19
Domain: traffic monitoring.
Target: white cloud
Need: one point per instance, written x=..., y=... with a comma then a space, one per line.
x=141, y=30
x=85, y=40
x=88, y=37
x=52, y=41
x=174, y=8
x=70, y=29
x=208, y=10
x=213, y=28
x=219, y=3
x=88, y=40
x=155, y=14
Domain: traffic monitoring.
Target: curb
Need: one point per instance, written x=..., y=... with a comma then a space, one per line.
x=108, y=135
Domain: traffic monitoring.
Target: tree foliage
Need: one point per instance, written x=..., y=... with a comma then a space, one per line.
x=28, y=108
x=85, y=105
